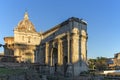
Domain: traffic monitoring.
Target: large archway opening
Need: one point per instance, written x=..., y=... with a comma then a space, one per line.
x=55, y=58
x=65, y=61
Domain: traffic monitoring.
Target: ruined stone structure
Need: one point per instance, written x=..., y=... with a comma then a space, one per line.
x=63, y=48
x=9, y=45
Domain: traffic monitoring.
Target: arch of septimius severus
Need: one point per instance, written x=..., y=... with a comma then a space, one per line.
x=62, y=48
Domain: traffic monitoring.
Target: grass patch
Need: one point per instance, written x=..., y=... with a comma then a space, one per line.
x=7, y=71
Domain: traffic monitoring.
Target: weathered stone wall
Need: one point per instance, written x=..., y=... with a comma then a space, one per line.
x=65, y=44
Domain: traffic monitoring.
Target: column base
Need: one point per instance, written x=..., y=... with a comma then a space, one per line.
x=69, y=72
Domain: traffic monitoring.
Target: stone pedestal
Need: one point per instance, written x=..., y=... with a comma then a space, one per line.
x=52, y=69
x=44, y=77
x=69, y=72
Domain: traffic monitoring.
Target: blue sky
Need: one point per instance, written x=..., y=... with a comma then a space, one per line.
x=103, y=17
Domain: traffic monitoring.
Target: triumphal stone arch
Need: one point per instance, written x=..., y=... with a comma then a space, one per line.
x=63, y=48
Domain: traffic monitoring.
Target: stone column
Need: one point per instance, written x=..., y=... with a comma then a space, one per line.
x=33, y=57
x=69, y=71
x=16, y=53
x=75, y=46
x=60, y=56
x=51, y=55
x=46, y=52
x=83, y=45
x=36, y=56
x=68, y=44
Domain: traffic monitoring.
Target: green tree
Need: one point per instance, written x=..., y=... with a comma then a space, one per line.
x=100, y=63
x=91, y=63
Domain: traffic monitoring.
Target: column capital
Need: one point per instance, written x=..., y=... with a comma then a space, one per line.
x=68, y=35
x=84, y=36
x=75, y=36
x=59, y=40
x=47, y=43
